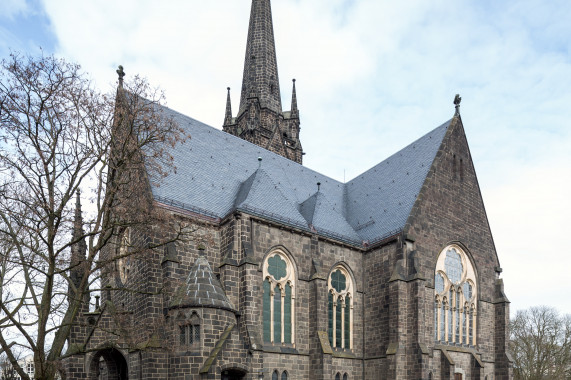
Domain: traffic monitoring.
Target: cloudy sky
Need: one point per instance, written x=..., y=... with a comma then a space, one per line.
x=372, y=76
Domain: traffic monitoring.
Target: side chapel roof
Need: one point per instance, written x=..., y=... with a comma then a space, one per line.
x=201, y=289
x=218, y=173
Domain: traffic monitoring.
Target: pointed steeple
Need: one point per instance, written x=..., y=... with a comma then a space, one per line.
x=294, y=110
x=79, y=249
x=260, y=78
x=228, y=114
x=78, y=254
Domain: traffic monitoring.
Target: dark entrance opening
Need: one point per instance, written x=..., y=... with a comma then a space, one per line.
x=233, y=374
x=108, y=364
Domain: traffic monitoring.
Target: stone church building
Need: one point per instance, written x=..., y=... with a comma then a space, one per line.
x=294, y=275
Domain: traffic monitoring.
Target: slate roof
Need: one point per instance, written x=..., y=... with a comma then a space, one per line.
x=218, y=173
x=202, y=289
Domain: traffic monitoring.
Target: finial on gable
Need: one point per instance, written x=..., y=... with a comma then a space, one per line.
x=259, y=162
x=318, y=186
x=121, y=74
x=457, y=100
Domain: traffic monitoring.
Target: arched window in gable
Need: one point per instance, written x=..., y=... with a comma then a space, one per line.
x=455, y=298
x=278, y=298
x=340, y=308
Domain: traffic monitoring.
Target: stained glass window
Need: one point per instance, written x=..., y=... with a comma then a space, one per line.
x=189, y=335
x=278, y=310
x=338, y=311
x=347, y=323
x=284, y=375
x=287, y=314
x=338, y=281
x=454, y=274
x=435, y=320
x=467, y=288
x=182, y=335
x=267, y=312
x=339, y=305
x=453, y=264
x=277, y=267
x=196, y=334
x=450, y=307
x=470, y=332
x=338, y=376
x=464, y=324
x=345, y=377
x=443, y=323
x=439, y=283
x=330, y=317
x=457, y=321
x=275, y=375
x=277, y=314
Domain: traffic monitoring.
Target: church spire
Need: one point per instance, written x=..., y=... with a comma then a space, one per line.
x=260, y=78
x=228, y=115
x=78, y=254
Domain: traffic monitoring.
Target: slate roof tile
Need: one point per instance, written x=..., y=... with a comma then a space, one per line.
x=218, y=173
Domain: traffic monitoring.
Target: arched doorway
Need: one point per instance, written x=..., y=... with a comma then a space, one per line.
x=233, y=374
x=108, y=364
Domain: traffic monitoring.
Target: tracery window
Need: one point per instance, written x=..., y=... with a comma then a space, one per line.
x=455, y=298
x=340, y=308
x=278, y=298
x=189, y=331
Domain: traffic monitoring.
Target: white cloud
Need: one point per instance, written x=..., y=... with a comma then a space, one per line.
x=372, y=77
x=11, y=8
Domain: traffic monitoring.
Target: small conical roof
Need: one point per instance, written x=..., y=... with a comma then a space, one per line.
x=202, y=289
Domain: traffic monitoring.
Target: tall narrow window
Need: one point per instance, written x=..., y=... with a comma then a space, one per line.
x=450, y=307
x=278, y=299
x=443, y=321
x=340, y=308
x=436, y=309
x=455, y=285
x=284, y=375
x=189, y=331
x=277, y=314
x=457, y=317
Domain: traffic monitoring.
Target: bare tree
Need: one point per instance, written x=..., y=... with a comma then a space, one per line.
x=7, y=371
x=541, y=344
x=56, y=138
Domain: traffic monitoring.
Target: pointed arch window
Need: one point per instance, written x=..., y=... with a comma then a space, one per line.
x=278, y=298
x=189, y=330
x=455, y=298
x=340, y=308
